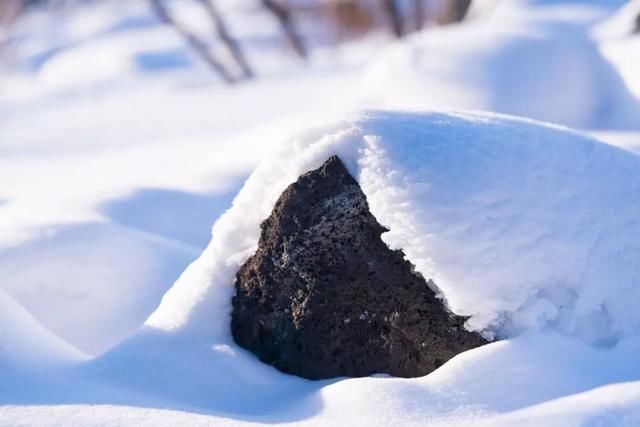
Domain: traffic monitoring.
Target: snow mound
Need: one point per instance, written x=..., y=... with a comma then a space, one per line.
x=521, y=225
x=620, y=46
x=610, y=405
x=526, y=59
x=537, y=375
x=25, y=344
x=620, y=24
x=95, y=283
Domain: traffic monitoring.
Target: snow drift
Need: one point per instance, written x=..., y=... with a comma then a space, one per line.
x=526, y=227
x=620, y=45
x=27, y=346
x=622, y=23
x=530, y=58
x=522, y=226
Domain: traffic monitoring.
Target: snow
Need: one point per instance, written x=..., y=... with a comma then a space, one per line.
x=489, y=385
x=123, y=167
x=511, y=219
x=29, y=354
x=82, y=272
x=26, y=344
x=111, y=177
x=608, y=405
x=183, y=366
x=525, y=58
x=622, y=23
x=184, y=360
x=118, y=150
x=620, y=46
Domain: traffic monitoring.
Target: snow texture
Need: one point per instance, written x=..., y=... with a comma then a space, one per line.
x=620, y=45
x=26, y=344
x=520, y=225
x=109, y=189
x=109, y=184
x=527, y=227
x=525, y=58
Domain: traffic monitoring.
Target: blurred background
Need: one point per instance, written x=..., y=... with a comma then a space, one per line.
x=128, y=126
x=226, y=35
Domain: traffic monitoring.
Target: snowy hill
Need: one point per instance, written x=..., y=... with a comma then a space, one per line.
x=520, y=224
x=30, y=355
x=621, y=45
x=524, y=57
x=98, y=157
x=119, y=150
x=511, y=219
x=26, y=344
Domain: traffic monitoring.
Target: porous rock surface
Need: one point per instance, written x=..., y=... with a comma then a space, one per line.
x=325, y=297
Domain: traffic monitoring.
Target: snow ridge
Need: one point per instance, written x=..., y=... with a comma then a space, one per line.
x=521, y=225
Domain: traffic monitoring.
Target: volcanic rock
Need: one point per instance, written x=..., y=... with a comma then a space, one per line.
x=324, y=296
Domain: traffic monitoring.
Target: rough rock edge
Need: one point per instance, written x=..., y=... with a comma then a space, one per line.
x=324, y=296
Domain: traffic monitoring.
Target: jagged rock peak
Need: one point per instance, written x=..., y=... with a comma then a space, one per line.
x=324, y=296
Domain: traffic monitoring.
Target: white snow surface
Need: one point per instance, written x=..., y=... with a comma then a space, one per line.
x=520, y=225
x=460, y=192
x=531, y=58
x=620, y=46
x=26, y=344
x=111, y=176
x=145, y=152
x=622, y=23
x=118, y=150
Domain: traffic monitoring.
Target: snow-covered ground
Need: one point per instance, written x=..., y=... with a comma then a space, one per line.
x=119, y=193
x=118, y=151
x=528, y=58
x=110, y=183
x=482, y=186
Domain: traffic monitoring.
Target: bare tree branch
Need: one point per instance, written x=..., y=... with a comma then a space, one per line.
x=419, y=13
x=454, y=11
x=283, y=15
x=395, y=16
x=194, y=41
x=227, y=39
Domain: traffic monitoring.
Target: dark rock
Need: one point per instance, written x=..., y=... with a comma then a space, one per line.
x=324, y=296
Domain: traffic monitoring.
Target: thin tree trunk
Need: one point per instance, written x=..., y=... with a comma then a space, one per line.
x=418, y=10
x=455, y=11
x=227, y=39
x=395, y=16
x=283, y=15
x=194, y=41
